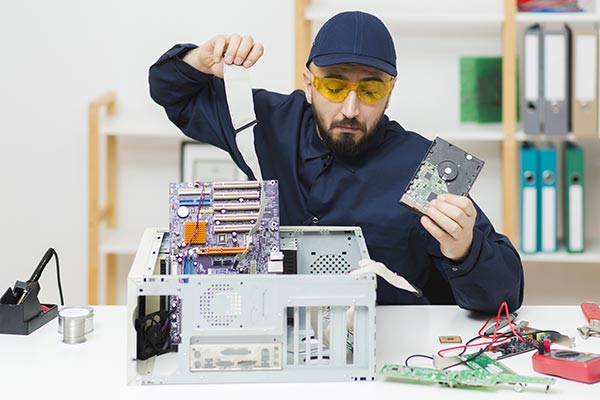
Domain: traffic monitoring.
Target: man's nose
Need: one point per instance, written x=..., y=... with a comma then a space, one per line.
x=350, y=105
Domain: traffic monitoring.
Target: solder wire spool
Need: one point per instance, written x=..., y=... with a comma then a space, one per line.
x=75, y=322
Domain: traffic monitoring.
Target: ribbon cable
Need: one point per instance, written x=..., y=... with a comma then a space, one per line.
x=367, y=265
x=238, y=90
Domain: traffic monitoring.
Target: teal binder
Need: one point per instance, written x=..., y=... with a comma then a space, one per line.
x=574, y=198
x=529, y=198
x=547, y=198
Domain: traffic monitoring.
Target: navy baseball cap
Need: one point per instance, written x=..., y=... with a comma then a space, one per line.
x=354, y=37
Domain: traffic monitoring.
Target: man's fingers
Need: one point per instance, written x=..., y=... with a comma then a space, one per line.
x=433, y=229
x=450, y=220
x=233, y=44
x=462, y=202
x=452, y=211
x=236, y=49
x=218, y=43
x=256, y=53
x=244, y=49
x=445, y=222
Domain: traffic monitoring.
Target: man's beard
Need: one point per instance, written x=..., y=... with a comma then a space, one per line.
x=345, y=145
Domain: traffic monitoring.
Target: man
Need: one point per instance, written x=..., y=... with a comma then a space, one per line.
x=339, y=160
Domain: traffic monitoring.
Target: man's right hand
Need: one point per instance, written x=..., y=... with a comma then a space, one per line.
x=230, y=49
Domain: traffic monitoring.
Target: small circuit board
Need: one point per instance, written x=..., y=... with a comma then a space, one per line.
x=483, y=371
x=485, y=362
x=532, y=338
x=443, y=376
x=513, y=347
x=445, y=169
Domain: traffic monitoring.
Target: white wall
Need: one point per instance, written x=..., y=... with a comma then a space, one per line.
x=57, y=56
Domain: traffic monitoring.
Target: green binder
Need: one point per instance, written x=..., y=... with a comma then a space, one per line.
x=481, y=89
x=574, y=194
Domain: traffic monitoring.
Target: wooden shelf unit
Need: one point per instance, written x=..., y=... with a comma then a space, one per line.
x=106, y=239
x=510, y=21
x=98, y=213
x=504, y=133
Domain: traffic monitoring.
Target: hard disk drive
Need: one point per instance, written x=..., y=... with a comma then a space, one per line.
x=445, y=168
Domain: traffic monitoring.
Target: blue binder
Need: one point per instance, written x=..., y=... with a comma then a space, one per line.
x=529, y=198
x=547, y=198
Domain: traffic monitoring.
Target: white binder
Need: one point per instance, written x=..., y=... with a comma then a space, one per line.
x=556, y=74
x=531, y=90
x=584, y=76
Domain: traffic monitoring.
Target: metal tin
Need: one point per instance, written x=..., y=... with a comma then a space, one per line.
x=75, y=322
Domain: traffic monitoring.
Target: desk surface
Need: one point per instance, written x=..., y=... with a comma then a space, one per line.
x=41, y=364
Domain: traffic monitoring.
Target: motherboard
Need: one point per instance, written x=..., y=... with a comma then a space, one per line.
x=224, y=227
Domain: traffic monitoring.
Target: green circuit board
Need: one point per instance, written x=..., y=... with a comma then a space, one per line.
x=502, y=373
x=483, y=371
x=425, y=186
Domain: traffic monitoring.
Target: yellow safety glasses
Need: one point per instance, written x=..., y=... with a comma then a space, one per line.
x=336, y=90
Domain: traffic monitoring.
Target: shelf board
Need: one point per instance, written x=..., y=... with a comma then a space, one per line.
x=140, y=126
x=438, y=20
x=567, y=17
x=522, y=136
x=469, y=132
x=591, y=255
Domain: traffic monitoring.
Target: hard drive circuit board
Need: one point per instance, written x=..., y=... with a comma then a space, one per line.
x=445, y=168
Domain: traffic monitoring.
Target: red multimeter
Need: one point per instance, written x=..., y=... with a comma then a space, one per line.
x=568, y=364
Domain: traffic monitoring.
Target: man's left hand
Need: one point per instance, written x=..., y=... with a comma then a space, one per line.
x=450, y=219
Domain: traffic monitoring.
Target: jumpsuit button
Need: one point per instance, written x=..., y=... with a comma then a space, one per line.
x=315, y=220
x=454, y=269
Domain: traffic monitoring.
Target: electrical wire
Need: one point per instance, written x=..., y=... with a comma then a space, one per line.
x=466, y=360
x=493, y=339
x=60, y=291
x=187, y=245
x=415, y=356
x=489, y=341
x=37, y=273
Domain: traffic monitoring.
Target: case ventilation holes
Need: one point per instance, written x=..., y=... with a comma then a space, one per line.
x=220, y=305
x=329, y=264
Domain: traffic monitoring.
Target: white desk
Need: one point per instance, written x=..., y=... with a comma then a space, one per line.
x=40, y=364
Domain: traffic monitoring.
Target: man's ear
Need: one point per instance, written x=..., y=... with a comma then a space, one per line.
x=307, y=80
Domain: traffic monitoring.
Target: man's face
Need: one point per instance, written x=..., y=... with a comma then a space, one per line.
x=346, y=126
